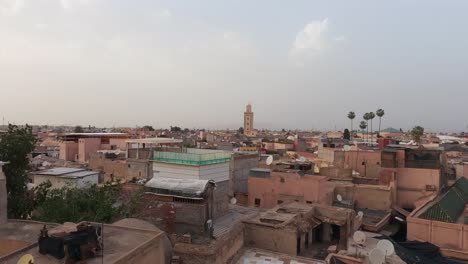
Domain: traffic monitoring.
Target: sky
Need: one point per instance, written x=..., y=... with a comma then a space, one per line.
x=196, y=64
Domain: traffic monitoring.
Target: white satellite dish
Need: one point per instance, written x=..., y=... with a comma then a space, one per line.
x=302, y=159
x=233, y=200
x=386, y=246
x=376, y=256
x=269, y=160
x=360, y=214
x=347, y=148
x=291, y=138
x=339, y=197
x=359, y=237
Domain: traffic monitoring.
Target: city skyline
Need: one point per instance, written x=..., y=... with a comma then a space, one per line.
x=304, y=65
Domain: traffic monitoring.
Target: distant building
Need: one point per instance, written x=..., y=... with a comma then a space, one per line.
x=270, y=188
x=61, y=177
x=197, y=164
x=3, y=196
x=249, y=121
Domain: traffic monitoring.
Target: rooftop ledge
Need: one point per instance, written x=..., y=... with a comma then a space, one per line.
x=190, y=156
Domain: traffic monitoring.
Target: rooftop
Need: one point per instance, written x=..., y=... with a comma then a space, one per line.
x=260, y=256
x=179, y=187
x=67, y=172
x=154, y=141
x=191, y=156
x=119, y=241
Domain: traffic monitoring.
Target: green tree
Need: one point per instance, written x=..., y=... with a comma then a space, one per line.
x=148, y=127
x=371, y=117
x=366, y=117
x=380, y=113
x=351, y=116
x=15, y=145
x=362, y=126
x=346, y=134
x=79, y=129
x=240, y=130
x=417, y=132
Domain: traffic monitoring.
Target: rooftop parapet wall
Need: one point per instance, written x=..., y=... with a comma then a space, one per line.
x=193, y=157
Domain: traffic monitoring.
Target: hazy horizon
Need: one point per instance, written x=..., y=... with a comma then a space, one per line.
x=196, y=64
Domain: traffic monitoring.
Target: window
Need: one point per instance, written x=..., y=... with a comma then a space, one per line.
x=128, y=165
x=279, y=202
x=296, y=200
x=257, y=202
x=309, y=202
x=281, y=179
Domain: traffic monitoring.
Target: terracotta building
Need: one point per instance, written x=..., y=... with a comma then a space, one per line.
x=268, y=188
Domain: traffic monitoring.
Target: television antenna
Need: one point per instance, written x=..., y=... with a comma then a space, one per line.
x=269, y=160
x=233, y=200
x=376, y=256
x=359, y=237
x=339, y=197
x=386, y=246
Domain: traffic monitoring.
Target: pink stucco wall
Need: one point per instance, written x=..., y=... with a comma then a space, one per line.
x=68, y=150
x=287, y=187
x=367, y=163
x=411, y=185
x=445, y=235
x=86, y=147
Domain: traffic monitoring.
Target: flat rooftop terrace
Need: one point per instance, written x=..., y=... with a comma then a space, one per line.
x=118, y=242
x=190, y=156
x=260, y=256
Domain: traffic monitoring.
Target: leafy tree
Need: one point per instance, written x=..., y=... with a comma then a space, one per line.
x=240, y=130
x=380, y=113
x=346, y=134
x=351, y=116
x=15, y=145
x=68, y=204
x=417, y=132
x=148, y=127
x=176, y=129
x=79, y=129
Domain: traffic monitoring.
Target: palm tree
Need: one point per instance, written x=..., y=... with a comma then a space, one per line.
x=351, y=116
x=380, y=112
x=366, y=117
x=363, y=126
x=371, y=117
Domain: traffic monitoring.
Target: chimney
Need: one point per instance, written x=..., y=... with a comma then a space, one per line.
x=3, y=196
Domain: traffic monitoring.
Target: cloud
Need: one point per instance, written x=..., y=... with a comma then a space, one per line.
x=311, y=38
x=69, y=4
x=11, y=7
x=340, y=38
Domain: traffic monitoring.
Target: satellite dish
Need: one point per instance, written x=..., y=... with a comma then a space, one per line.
x=269, y=160
x=376, y=256
x=290, y=138
x=302, y=159
x=117, y=152
x=360, y=214
x=26, y=259
x=386, y=246
x=347, y=148
x=359, y=237
x=233, y=200
x=339, y=197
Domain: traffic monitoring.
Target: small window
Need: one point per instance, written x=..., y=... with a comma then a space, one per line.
x=296, y=200
x=281, y=179
x=309, y=202
x=363, y=163
x=128, y=165
x=279, y=202
x=257, y=202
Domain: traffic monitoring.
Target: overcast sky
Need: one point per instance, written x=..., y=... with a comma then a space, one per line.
x=302, y=64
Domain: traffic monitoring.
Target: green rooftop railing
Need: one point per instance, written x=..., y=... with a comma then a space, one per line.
x=191, y=156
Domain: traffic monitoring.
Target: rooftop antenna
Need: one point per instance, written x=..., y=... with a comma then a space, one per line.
x=376, y=256
x=233, y=200
x=386, y=247
x=339, y=197
x=359, y=238
x=269, y=160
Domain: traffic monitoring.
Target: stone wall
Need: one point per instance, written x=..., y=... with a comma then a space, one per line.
x=274, y=239
x=221, y=199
